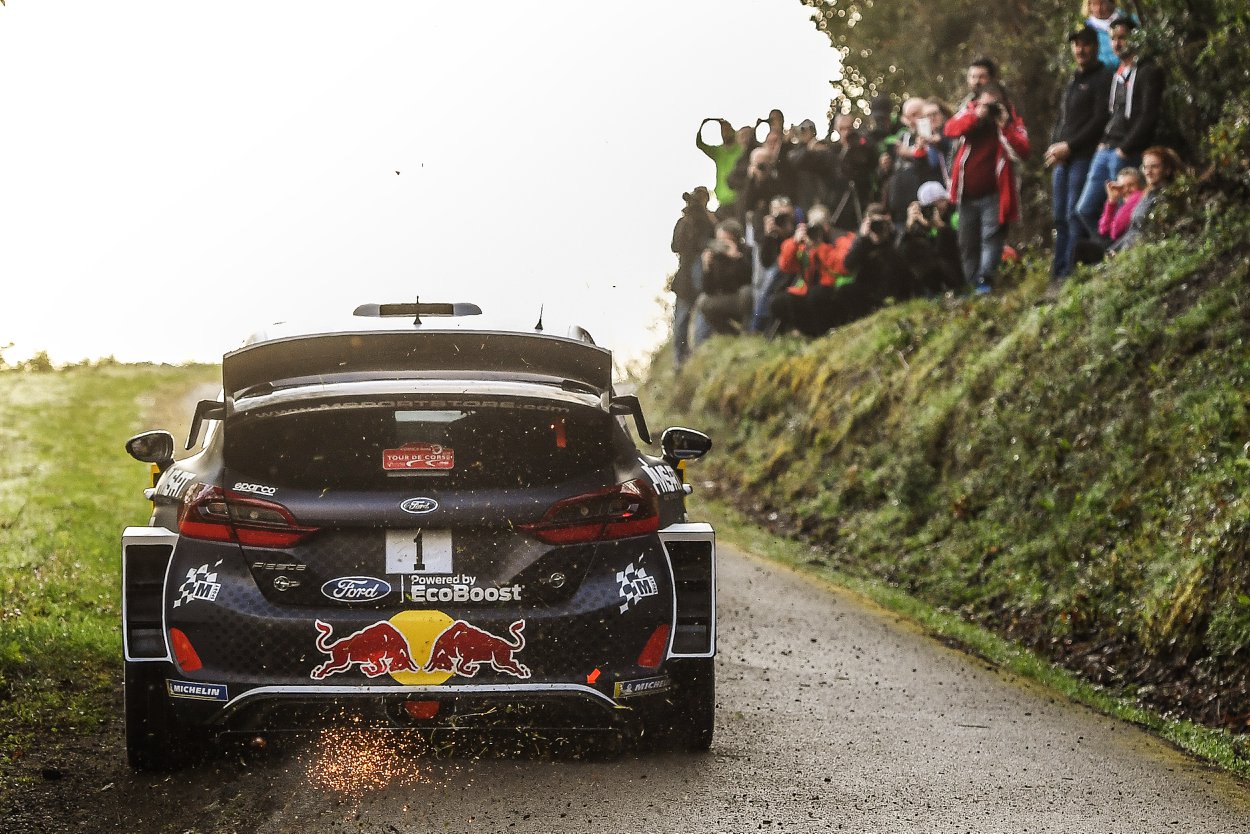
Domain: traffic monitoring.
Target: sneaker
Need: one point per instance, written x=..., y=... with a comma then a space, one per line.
x=982, y=289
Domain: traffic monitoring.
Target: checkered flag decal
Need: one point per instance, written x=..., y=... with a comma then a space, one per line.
x=199, y=584
x=635, y=584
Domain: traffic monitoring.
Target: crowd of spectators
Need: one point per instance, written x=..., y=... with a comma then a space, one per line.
x=810, y=233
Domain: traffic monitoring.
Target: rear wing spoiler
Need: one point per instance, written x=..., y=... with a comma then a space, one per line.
x=329, y=355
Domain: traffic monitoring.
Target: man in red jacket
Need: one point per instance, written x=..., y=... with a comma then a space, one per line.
x=985, y=181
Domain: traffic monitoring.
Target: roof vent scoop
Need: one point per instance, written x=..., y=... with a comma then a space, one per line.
x=416, y=309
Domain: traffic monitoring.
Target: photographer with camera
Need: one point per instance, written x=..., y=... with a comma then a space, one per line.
x=929, y=245
x=814, y=259
x=725, y=302
x=691, y=234
x=856, y=161
x=777, y=226
x=880, y=271
x=724, y=156
x=991, y=141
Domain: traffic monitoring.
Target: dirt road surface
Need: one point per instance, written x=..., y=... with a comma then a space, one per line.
x=833, y=716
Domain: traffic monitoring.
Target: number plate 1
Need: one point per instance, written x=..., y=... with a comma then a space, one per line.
x=418, y=551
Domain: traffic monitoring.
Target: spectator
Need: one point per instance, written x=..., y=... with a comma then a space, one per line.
x=1159, y=166
x=855, y=162
x=778, y=225
x=1123, y=193
x=911, y=161
x=690, y=235
x=815, y=256
x=992, y=141
x=1135, y=100
x=813, y=165
x=929, y=244
x=1082, y=119
x=725, y=302
x=724, y=156
x=880, y=271
x=938, y=147
x=881, y=114
x=1098, y=15
x=981, y=72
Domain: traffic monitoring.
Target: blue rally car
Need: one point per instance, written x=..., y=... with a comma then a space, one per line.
x=414, y=521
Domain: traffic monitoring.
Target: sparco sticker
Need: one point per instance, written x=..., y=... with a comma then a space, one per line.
x=257, y=489
x=355, y=589
x=418, y=456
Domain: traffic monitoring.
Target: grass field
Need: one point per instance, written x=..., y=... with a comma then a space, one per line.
x=67, y=488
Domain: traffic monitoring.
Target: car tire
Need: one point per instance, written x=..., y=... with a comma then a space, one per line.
x=154, y=738
x=686, y=720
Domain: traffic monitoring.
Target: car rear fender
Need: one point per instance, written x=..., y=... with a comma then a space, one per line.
x=146, y=554
x=691, y=551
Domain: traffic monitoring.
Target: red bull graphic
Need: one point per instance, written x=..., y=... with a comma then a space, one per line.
x=462, y=649
x=378, y=649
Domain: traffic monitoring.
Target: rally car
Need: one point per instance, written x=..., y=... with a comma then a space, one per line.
x=412, y=520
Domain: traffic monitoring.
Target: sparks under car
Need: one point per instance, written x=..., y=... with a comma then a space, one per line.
x=415, y=522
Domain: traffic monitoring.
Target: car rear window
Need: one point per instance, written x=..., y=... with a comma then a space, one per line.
x=454, y=443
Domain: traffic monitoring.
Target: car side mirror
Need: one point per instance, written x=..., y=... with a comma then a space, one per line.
x=152, y=447
x=681, y=444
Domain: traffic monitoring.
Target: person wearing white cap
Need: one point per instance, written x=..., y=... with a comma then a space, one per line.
x=929, y=243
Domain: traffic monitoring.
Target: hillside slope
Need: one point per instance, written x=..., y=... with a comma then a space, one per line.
x=1069, y=474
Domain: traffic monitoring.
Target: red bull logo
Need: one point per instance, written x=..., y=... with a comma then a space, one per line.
x=377, y=649
x=452, y=648
x=463, y=649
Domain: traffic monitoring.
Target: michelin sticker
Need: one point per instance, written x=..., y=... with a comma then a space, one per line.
x=197, y=691
x=643, y=686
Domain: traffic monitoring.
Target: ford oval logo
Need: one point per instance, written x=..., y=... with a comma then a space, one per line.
x=419, y=505
x=355, y=589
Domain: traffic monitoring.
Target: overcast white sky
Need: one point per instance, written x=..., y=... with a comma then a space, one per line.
x=175, y=175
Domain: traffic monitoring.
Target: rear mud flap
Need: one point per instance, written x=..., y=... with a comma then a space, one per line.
x=691, y=551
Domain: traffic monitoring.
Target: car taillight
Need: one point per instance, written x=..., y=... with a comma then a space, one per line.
x=209, y=513
x=628, y=509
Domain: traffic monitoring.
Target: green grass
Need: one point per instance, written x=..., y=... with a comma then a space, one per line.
x=1070, y=475
x=67, y=488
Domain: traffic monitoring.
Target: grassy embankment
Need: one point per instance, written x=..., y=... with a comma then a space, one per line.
x=1071, y=476
x=67, y=488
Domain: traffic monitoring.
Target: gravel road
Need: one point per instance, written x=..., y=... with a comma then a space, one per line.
x=833, y=716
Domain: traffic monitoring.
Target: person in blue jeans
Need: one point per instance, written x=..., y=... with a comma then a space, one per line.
x=691, y=234
x=991, y=142
x=1082, y=119
x=1135, y=102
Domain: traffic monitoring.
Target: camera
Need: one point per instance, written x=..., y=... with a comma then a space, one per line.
x=994, y=110
x=880, y=227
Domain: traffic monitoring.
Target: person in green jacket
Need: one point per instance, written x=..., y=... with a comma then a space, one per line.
x=724, y=156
